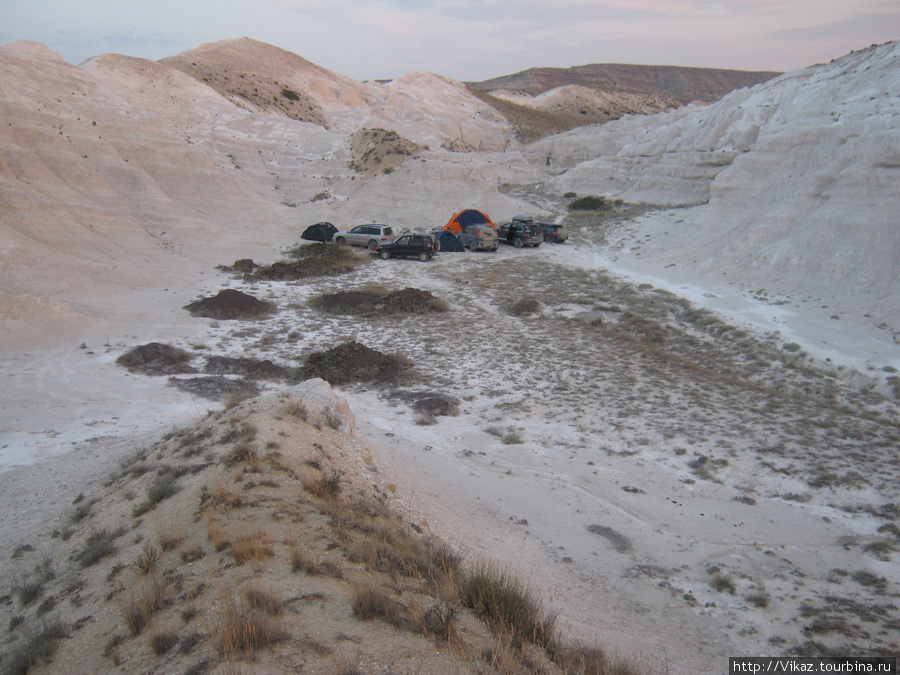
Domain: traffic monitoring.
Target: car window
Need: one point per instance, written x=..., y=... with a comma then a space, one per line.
x=388, y=231
x=403, y=241
x=357, y=229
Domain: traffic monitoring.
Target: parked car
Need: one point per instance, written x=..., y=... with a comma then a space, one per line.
x=553, y=232
x=369, y=236
x=479, y=238
x=421, y=246
x=521, y=232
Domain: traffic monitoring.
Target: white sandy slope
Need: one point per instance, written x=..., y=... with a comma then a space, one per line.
x=796, y=180
x=101, y=251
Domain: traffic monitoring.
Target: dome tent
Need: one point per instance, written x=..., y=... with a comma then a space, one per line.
x=319, y=232
x=463, y=219
x=448, y=241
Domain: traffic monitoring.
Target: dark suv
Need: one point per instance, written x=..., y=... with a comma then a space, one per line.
x=421, y=246
x=553, y=232
x=521, y=232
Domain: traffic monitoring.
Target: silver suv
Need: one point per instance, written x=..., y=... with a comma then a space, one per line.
x=479, y=238
x=369, y=236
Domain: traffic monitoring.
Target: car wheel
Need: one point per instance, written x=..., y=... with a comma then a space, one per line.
x=424, y=257
x=517, y=242
x=385, y=255
x=546, y=237
x=340, y=241
x=373, y=244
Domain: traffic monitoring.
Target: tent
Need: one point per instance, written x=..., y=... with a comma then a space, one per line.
x=319, y=232
x=463, y=219
x=448, y=242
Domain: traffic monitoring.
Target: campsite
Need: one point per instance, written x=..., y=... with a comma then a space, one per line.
x=227, y=448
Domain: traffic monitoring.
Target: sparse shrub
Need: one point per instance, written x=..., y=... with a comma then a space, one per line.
x=162, y=642
x=36, y=647
x=326, y=486
x=146, y=559
x=524, y=306
x=759, y=599
x=438, y=620
x=47, y=605
x=512, y=438
x=424, y=419
x=192, y=554
x=297, y=408
x=235, y=398
x=592, y=203
x=333, y=418
x=163, y=486
x=723, y=584
x=99, y=544
x=28, y=590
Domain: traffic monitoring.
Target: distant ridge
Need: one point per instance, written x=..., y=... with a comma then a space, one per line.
x=682, y=83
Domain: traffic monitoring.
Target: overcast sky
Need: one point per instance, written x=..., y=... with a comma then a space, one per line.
x=468, y=40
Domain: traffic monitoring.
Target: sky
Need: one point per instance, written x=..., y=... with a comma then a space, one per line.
x=468, y=40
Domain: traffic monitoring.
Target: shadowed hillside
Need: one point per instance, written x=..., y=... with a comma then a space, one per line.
x=684, y=84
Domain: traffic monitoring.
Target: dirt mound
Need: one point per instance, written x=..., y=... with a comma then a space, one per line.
x=406, y=301
x=412, y=301
x=352, y=362
x=230, y=304
x=255, y=369
x=315, y=260
x=155, y=358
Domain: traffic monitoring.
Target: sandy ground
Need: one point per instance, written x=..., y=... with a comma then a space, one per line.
x=678, y=505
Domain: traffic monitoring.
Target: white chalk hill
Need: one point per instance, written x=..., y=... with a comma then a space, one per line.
x=798, y=180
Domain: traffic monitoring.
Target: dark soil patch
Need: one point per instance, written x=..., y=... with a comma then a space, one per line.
x=429, y=402
x=619, y=541
x=352, y=362
x=315, y=260
x=214, y=388
x=155, y=358
x=255, y=369
x=406, y=301
x=231, y=304
x=349, y=302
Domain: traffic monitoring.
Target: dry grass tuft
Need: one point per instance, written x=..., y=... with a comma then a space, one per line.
x=261, y=599
x=327, y=486
x=170, y=537
x=253, y=547
x=370, y=602
x=241, y=630
x=507, y=606
x=142, y=604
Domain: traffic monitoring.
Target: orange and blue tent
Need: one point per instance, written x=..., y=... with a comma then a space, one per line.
x=467, y=217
